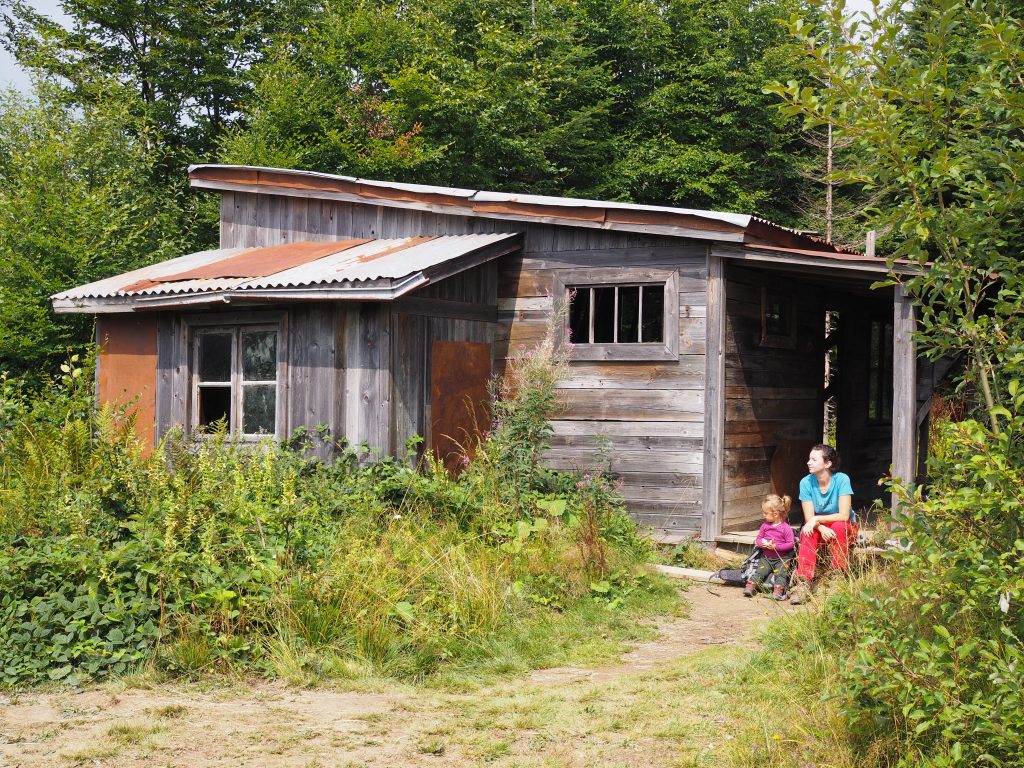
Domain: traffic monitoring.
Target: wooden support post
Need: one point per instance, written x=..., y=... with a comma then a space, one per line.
x=714, y=401
x=904, y=396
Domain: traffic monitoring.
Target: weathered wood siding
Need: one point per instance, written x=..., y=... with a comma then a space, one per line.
x=649, y=414
x=652, y=413
x=772, y=395
x=469, y=300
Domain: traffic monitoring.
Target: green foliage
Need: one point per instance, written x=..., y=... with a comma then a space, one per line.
x=927, y=100
x=928, y=97
x=187, y=63
x=943, y=644
x=650, y=102
x=213, y=555
x=76, y=204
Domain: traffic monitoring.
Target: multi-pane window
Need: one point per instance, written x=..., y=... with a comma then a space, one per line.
x=235, y=379
x=880, y=373
x=617, y=314
x=624, y=313
x=778, y=319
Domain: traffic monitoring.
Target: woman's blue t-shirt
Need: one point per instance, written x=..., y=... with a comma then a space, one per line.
x=827, y=503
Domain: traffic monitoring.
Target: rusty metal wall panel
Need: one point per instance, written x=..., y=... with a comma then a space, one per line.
x=127, y=369
x=458, y=393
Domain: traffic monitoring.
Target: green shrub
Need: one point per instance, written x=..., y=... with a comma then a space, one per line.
x=938, y=650
x=210, y=555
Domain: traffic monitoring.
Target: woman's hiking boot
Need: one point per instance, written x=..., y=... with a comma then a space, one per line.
x=779, y=592
x=801, y=593
x=749, y=589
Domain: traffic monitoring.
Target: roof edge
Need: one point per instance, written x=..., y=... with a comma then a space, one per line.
x=562, y=211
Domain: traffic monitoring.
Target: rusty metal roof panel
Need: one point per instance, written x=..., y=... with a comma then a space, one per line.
x=392, y=266
x=379, y=259
x=736, y=219
x=558, y=209
x=113, y=286
x=188, y=286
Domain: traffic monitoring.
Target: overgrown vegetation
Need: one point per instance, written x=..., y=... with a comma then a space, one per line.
x=213, y=556
x=924, y=661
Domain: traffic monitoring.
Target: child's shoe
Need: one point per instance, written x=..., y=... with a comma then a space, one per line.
x=749, y=589
x=779, y=592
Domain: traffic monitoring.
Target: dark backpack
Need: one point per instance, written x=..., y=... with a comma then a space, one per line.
x=738, y=577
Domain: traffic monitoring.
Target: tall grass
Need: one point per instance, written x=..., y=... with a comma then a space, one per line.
x=210, y=555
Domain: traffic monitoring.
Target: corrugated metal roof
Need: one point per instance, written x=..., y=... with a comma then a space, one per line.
x=559, y=210
x=298, y=265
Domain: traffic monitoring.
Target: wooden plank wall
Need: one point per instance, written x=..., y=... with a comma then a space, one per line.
x=312, y=381
x=314, y=339
x=651, y=413
x=771, y=395
x=414, y=331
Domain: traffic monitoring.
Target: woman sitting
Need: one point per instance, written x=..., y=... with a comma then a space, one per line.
x=827, y=500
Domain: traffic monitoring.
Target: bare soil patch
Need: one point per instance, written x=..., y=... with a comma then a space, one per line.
x=658, y=705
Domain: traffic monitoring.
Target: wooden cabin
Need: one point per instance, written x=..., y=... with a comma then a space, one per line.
x=700, y=339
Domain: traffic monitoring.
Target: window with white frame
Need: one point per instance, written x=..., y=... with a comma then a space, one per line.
x=621, y=313
x=236, y=379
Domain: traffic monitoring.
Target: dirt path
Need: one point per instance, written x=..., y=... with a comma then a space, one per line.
x=646, y=710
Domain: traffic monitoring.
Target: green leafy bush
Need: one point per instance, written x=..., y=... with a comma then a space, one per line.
x=938, y=651
x=209, y=555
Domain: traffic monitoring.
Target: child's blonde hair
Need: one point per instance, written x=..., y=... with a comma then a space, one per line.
x=778, y=504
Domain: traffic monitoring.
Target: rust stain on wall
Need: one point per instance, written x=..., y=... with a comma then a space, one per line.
x=459, y=373
x=127, y=369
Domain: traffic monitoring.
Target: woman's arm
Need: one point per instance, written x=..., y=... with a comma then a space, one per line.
x=810, y=522
x=843, y=515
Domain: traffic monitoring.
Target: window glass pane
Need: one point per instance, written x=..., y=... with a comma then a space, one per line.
x=604, y=315
x=874, y=354
x=258, y=401
x=776, y=317
x=215, y=357
x=214, y=405
x=887, y=368
x=579, y=315
x=259, y=355
x=654, y=314
x=629, y=314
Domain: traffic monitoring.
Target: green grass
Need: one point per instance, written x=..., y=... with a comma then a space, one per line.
x=588, y=633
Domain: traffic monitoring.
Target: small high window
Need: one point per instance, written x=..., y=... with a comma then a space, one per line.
x=621, y=313
x=236, y=379
x=617, y=314
x=778, y=319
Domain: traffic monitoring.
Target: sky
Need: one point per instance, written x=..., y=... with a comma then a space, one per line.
x=11, y=75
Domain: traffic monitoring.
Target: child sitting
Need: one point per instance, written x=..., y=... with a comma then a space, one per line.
x=775, y=540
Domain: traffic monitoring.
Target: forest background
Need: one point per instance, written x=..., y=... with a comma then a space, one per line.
x=634, y=101
x=723, y=104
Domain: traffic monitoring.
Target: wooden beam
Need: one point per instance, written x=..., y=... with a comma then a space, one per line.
x=904, y=397
x=714, y=401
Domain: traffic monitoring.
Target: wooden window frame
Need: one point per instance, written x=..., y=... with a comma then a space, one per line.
x=786, y=340
x=235, y=323
x=668, y=279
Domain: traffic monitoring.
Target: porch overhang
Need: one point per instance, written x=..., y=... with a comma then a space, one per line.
x=349, y=270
